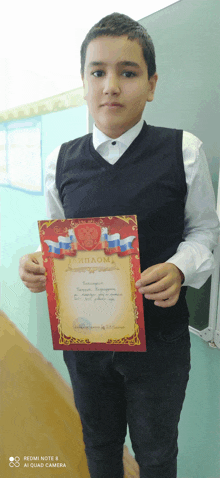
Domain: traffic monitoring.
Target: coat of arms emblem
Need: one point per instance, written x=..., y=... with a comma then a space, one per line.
x=88, y=235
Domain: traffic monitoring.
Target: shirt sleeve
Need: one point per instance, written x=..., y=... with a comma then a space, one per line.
x=194, y=255
x=54, y=208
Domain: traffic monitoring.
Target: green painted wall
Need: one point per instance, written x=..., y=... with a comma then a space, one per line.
x=199, y=427
x=187, y=44
x=20, y=212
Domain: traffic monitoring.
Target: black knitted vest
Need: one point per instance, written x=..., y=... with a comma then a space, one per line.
x=148, y=180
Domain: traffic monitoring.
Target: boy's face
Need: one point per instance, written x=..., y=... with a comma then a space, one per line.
x=114, y=82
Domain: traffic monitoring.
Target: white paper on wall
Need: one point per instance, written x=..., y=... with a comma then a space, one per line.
x=24, y=158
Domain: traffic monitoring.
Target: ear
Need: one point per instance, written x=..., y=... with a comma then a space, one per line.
x=152, y=82
x=85, y=87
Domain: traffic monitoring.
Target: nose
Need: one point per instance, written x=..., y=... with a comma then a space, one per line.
x=111, y=84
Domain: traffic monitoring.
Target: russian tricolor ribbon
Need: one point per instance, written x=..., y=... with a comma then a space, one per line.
x=111, y=243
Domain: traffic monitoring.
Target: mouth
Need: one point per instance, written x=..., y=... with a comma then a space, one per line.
x=113, y=105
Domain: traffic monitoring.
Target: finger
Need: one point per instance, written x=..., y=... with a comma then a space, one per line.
x=37, y=290
x=163, y=289
x=163, y=295
x=30, y=273
x=33, y=279
x=31, y=264
x=166, y=294
x=34, y=268
x=152, y=274
x=167, y=303
x=35, y=287
x=159, y=286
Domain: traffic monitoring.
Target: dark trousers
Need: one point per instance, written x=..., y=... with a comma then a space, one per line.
x=145, y=390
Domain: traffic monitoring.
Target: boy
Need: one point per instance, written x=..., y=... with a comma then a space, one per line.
x=161, y=175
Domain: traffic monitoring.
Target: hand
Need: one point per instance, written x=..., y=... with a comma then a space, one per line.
x=161, y=283
x=32, y=272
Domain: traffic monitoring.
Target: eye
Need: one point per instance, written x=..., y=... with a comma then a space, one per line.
x=129, y=73
x=98, y=71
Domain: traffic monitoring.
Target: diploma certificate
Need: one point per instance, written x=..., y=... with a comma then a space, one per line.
x=91, y=267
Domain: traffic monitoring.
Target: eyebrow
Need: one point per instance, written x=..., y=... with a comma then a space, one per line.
x=121, y=63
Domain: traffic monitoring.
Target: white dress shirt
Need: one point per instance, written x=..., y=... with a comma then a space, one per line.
x=194, y=255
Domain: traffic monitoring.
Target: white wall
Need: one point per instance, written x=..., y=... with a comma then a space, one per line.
x=41, y=55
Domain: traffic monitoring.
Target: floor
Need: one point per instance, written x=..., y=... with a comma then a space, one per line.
x=41, y=434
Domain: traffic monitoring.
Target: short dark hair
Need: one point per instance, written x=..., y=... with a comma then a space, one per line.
x=118, y=24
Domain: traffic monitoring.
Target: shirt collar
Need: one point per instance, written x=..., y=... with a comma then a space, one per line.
x=126, y=138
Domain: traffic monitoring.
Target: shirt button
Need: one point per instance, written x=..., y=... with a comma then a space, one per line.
x=114, y=142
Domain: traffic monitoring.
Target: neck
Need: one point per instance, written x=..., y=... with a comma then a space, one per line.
x=116, y=132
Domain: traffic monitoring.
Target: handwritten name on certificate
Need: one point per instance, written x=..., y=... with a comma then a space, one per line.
x=92, y=265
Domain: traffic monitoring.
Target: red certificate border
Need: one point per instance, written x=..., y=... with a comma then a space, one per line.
x=126, y=226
